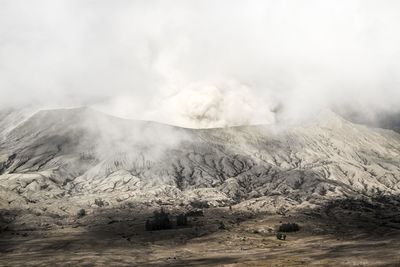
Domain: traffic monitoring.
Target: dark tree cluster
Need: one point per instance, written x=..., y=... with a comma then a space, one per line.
x=289, y=227
x=181, y=220
x=160, y=221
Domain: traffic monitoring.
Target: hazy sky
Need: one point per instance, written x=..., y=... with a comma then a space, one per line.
x=202, y=63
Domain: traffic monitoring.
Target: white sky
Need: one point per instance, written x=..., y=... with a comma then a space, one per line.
x=202, y=63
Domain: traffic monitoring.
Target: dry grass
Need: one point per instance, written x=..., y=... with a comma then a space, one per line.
x=247, y=241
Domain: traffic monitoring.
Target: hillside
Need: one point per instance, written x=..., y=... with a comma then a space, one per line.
x=81, y=154
x=78, y=187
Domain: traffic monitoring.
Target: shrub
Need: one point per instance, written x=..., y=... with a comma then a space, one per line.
x=81, y=213
x=181, y=220
x=281, y=236
x=289, y=227
x=160, y=221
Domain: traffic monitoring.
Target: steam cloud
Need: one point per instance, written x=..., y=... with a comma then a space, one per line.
x=209, y=105
x=202, y=63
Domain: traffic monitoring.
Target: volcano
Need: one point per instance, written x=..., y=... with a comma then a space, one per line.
x=54, y=163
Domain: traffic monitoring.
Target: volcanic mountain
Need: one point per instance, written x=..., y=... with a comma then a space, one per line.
x=67, y=158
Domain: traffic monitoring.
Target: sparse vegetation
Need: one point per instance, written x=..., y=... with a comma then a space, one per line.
x=81, y=213
x=289, y=227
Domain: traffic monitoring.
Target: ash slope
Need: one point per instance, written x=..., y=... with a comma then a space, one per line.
x=66, y=158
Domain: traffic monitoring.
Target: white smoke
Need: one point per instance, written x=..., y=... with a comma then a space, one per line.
x=206, y=105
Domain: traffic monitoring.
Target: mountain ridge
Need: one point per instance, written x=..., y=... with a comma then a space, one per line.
x=82, y=154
